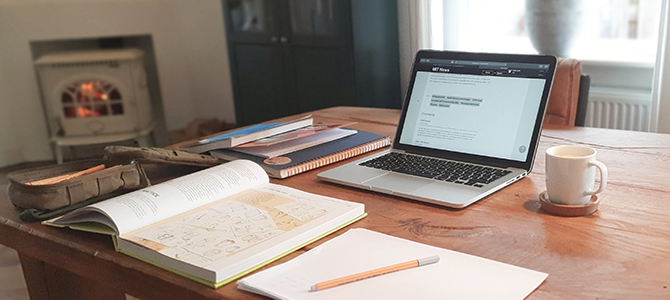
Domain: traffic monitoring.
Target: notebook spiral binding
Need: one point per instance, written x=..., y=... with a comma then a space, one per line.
x=335, y=157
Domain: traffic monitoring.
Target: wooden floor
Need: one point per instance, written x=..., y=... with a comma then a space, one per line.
x=12, y=284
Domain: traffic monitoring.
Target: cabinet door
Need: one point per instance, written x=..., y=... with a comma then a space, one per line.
x=320, y=52
x=289, y=56
x=257, y=60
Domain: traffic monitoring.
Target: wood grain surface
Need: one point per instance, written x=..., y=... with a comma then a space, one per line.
x=620, y=252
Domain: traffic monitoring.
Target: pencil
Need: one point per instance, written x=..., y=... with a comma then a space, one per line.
x=64, y=177
x=376, y=272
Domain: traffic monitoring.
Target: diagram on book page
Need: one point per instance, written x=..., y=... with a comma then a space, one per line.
x=227, y=227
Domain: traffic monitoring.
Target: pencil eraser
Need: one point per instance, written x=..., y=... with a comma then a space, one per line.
x=428, y=260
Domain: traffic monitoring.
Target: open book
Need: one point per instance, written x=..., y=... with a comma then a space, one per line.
x=215, y=225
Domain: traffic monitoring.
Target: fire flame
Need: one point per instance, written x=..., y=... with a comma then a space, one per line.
x=83, y=112
x=99, y=96
x=88, y=92
x=87, y=88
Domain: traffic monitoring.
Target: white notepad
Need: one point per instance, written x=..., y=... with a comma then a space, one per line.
x=455, y=276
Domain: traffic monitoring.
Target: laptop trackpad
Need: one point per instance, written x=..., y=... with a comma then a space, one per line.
x=397, y=182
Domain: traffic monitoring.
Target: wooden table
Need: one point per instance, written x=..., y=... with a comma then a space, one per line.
x=620, y=252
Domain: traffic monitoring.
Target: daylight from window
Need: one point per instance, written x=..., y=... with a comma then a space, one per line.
x=614, y=30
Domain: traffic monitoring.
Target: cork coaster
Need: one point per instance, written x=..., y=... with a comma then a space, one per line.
x=569, y=210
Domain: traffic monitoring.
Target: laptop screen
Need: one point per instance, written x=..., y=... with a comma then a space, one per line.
x=480, y=106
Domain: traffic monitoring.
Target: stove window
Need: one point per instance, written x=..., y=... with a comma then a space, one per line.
x=94, y=98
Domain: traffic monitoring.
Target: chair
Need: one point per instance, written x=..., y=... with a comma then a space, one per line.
x=569, y=94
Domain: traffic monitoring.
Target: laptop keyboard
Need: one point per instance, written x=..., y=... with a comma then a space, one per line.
x=450, y=171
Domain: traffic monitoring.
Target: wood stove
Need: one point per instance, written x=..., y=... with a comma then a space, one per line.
x=93, y=97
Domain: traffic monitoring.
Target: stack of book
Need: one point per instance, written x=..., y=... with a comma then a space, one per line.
x=288, y=148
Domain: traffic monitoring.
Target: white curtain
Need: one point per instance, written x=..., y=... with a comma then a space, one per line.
x=660, y=111
x=414, y=34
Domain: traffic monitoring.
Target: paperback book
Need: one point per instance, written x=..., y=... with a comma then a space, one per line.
x=245, y=135
x=300, y=133
x=285, y=147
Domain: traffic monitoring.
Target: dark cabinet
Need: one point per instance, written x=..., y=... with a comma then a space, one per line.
x=293, y=56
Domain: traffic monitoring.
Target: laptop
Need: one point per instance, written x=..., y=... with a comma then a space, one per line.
x=470, y=126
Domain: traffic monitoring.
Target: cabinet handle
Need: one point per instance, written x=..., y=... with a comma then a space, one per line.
x=274, y=39
x=284, y=39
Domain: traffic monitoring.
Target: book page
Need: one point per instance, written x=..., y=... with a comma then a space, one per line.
x=300, y=133
x=226, y=232
x=154, y=203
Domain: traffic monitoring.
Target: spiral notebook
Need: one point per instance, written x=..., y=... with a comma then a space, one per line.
x=313, y=157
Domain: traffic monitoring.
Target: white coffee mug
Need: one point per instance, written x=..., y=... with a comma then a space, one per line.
x=571, y=171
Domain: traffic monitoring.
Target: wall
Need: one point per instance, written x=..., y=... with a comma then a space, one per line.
x=190, y=50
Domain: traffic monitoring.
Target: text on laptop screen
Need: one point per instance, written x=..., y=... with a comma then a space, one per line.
x=474, y=107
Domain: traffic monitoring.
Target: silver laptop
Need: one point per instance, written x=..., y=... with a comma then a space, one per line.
x=470, y=126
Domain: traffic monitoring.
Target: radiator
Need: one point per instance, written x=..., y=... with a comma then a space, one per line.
x=625, y=109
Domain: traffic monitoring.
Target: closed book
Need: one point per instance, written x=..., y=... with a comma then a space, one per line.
x=313, y=157
x=296, y=144
x=245, y=135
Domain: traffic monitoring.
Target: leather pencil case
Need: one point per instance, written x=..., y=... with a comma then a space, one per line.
x=123, y=169
x=25, y=192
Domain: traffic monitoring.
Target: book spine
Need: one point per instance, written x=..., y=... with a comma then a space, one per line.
x=335, y=157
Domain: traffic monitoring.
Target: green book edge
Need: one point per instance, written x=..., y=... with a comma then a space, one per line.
x=93, y=227
x=245, y=272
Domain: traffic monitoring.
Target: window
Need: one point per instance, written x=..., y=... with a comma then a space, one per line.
x=615, y=30
x=618, y=50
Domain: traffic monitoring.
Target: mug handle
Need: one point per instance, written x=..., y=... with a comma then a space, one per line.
x=603, y=177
